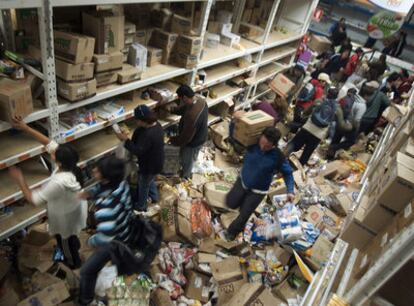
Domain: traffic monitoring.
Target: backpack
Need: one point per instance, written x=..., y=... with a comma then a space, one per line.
x=324, y=114
x=307, y=92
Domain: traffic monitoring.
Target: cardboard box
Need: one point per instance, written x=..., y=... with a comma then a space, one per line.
x=343, y=204
x=254, y=294
x=106, y=78
x=229, y=39
x=214, y=27
x=188, y=45
x=129, y=27
x=227, y=218
x=167, y=57
x=286, y=292
x=184, y=60
x=163, y=40
x=137, y=56
x=76, y=91
x=154, y=56
x=161, y=18
x=376, y=216
x=197, y=287
x=161, y=297
x=250, y=31
x=108, y=62
x=336, y=170
x=15, y=99
x=319, y=43
x=128, y=74
x=406, y=216
x=229, y=277
x=180, y=24
x=357, y=235
x=71, y=72
x=398, y=180
x=219, y=134
x=73, y=48
x=141, y=37
x=183, y=221
x=281, y=85
x=323, y=218
x=50, y=296
x=250, y=126
x=107, y=30
x=215, y=194
x=321, y=250
x=394, y=114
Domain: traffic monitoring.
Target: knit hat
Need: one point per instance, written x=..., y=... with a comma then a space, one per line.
x=142, y=112
x=324, y=77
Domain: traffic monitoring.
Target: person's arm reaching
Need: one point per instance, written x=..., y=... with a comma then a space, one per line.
x=287, y=173
x=17, y=175
x=18, y=123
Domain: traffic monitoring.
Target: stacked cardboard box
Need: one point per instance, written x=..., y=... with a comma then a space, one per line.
x=107, y=67
x=223, y=27
x=165, y=41
x=74, y=67
x=250, y=126
x=186, y=51
x=15, y=99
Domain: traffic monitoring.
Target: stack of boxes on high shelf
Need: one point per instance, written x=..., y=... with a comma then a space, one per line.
x=386, y=208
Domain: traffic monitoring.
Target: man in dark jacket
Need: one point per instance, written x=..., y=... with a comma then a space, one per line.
x=261, y=162
x=147, y=144
x=193, y=128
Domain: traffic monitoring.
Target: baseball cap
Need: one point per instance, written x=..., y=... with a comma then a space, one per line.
x=324, y=77
x=142, y=112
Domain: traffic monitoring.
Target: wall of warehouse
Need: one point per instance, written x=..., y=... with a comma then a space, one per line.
x=357, y=19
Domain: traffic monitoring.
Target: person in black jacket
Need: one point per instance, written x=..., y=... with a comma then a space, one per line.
x=147, y=144
x=193, y=127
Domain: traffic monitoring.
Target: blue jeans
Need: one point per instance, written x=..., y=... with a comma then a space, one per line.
x=146, y=188
x=188, y=155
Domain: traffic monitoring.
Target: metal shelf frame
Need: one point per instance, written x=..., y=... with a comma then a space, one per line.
x=56, y=106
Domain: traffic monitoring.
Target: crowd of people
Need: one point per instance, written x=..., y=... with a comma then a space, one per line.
x=344, y=98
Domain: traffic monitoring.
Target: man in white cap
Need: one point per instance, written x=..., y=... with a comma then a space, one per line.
x=312, y=91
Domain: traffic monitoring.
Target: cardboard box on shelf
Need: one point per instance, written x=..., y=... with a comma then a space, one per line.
x=229, y=277
x=229, y=39
x=184, y=60
x=154, y=56
x=161, y=18
x=163, y=40
x=50, y=296
x=406, y=216
x=167, y=57
x=398, y=179
x=76, y=91
x=212, y=41
x=107, y=30
x=72, y=47
x=137, y=56
x=128, y=74
x=281, y=85
x=15, y=99
x=106, y=78
x=74, y=72
x=319, y=43
x=214, y=27
x=197, y=287
x=108, y=62
x=129, y=39
x=250, y=31
x=188, y=45
x=129, y=27
x=254, y=294
x=141, y=37
x=216, y=192
x=180, y=24
x=357, y=234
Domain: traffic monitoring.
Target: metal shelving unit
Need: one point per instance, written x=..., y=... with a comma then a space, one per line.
x=217, y=63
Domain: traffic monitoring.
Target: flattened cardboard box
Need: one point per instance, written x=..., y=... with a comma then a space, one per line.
x=74, y=72
x=229, y=277
x=72, y=47
x=108, y=62
x=106, y=78
x=128, y=74
x=197, y=287
x=107, y=30
x=50, y=296
x=254, y=294
x=188, y=45
x=216, y=192
x=76, y=91
x=15, y=99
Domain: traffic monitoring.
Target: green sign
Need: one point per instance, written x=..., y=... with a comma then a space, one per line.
x=384, y=24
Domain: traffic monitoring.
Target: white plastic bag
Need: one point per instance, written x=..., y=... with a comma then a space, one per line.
x=105, y=279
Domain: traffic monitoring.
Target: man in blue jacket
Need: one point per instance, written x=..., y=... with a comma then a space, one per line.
x=261, y=162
